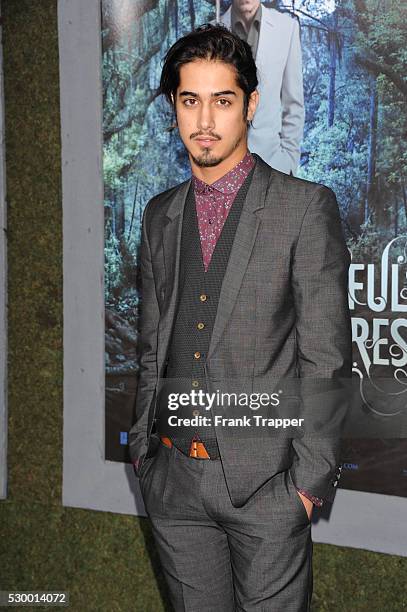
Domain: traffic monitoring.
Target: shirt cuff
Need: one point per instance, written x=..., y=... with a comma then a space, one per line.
x=317, y=501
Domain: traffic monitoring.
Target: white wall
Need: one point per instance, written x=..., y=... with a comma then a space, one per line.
x=88, y=480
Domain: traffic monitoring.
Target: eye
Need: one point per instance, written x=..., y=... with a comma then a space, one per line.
x=188, y=100
x=224, y=102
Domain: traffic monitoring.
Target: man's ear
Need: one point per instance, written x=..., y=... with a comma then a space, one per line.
x=253, y=102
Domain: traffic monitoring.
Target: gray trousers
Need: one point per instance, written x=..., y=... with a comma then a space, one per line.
x=218, y=558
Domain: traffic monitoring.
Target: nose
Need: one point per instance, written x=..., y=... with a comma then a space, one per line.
x=205, y=117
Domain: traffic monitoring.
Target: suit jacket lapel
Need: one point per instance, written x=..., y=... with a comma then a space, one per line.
x=266, y=44
x=242, y=247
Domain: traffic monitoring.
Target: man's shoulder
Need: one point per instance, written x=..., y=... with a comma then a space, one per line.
x=277, y=18
x=225, y=18
x=295, y=184
x=292, y=200
x=301, y=190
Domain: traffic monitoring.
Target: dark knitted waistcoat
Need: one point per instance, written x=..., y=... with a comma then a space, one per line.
x=198, y=297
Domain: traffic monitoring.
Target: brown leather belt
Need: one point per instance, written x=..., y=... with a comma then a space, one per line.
x=197, y=449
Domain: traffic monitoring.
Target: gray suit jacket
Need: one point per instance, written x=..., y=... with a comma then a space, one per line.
x=278, y=124
x=283, y=313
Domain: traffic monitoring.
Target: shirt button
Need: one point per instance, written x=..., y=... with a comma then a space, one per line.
x=201, y=325
x=195, y=383
x=203, y=297
x=195, y=412
x=197, y=354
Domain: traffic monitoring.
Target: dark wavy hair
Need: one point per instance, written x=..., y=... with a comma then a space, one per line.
x=209, y=42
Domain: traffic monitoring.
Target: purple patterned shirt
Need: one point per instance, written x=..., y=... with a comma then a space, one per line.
x=213, y=203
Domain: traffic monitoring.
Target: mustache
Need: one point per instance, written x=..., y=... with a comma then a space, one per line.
x=196, y=134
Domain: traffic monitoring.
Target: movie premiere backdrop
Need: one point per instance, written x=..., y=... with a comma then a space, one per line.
x=349, y=67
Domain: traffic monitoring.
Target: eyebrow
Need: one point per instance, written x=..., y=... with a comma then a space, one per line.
x=227, y=92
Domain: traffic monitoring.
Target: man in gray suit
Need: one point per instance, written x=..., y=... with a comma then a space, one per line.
x=274, y=37
x=244, y=289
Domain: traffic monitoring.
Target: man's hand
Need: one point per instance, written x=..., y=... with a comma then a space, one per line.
x=307, y=503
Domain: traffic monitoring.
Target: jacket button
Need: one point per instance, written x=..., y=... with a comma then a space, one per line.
x=197, y=354
x=203, y=297
x=195, y=383
x=201, y=325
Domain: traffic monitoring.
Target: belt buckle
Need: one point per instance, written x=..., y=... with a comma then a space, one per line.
x=193, y=450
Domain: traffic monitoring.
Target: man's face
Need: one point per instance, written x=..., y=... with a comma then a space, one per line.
x=246, y=7
x=209, y=108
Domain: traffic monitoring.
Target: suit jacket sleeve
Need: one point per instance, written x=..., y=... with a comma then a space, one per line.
x=147, y=348
x=292, y=102
x=324, y=343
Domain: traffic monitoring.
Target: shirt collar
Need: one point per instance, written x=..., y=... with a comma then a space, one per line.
x=229, y=182
x=235, y=18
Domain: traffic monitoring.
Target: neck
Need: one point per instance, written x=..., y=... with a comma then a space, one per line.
x=211, y=174
x=247, y=17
